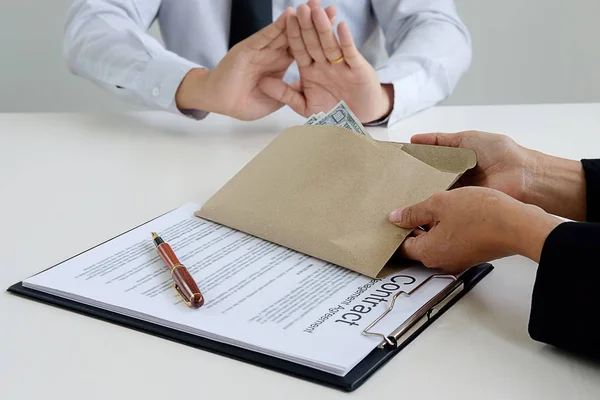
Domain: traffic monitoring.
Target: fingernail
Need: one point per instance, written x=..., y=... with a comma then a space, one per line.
x=396, y=215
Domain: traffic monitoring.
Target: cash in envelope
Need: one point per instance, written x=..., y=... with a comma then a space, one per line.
x=341, y=116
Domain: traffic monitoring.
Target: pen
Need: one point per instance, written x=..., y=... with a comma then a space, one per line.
x=184, y=283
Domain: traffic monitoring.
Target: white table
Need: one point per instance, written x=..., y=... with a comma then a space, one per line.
x=70, y=181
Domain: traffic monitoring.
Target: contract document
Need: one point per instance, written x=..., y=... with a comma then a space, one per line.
x=259, y=296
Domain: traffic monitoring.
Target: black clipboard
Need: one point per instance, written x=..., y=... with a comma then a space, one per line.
x=390, y=346
x=351, y=381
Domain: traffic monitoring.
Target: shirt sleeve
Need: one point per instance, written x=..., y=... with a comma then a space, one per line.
x=592, y=180
x=429, y=50
x=566, y=297
x=106, y=42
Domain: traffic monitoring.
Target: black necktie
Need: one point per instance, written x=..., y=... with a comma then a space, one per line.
x=248, y=17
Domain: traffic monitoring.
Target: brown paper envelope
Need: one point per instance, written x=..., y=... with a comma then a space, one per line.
x=326, y=191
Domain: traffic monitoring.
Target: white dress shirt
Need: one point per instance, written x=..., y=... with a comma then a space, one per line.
x=106, y=41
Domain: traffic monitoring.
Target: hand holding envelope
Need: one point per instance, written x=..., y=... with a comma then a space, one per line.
x=299, y=191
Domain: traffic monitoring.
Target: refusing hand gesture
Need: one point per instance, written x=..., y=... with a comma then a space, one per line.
x=329, y=71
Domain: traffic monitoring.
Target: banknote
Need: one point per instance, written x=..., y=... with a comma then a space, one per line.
x=314, y=118
x=311, y=120
x=341, y=115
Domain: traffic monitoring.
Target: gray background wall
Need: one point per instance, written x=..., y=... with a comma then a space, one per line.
x=525, y=51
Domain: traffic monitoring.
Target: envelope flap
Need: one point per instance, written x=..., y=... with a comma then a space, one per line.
x=448, y=159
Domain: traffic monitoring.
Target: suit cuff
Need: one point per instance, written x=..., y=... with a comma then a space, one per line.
x=412, y=91
x=564, y=294
x=160, y=80
x=379, y=122
x=591, y=169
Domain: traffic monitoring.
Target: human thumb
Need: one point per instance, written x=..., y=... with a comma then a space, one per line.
x=413, y=216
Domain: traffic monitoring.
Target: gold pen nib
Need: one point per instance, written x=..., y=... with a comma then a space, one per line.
x=157, y=239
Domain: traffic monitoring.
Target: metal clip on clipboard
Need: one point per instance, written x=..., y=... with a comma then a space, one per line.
x=422, y=315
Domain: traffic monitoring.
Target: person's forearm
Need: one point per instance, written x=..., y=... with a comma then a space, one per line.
x=429, y=48
x=527, y=230
x=107, y=43
x=557, y=185
x=191, y=94
x=386, y=105
x=565, y=290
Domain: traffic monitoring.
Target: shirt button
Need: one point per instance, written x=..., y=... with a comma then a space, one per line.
x=155, y=92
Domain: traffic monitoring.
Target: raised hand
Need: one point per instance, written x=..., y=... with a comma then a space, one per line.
x=232, y=87
x=329, y=71
x=471, y=225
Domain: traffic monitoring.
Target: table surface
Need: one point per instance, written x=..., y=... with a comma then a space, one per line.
x=70, y=181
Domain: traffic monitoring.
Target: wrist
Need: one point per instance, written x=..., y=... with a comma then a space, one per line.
x=191, y=94
x=557, y=185
x=385, y=105
x=529, y=227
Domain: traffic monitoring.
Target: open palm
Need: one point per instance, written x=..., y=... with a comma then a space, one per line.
x=324, y=85
x=325, y=76
x=246, y=70
x=235, y=80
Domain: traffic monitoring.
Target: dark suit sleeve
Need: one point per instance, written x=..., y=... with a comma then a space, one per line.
x=566, y=295
x=592, y=181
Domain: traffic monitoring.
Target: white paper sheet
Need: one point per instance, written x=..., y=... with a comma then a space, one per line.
x=258, y=295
